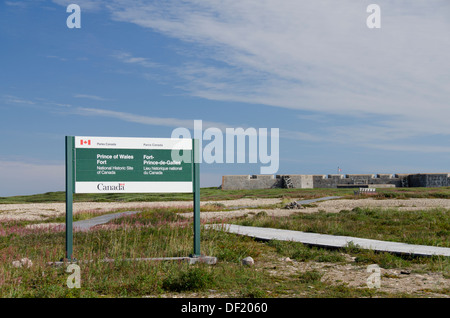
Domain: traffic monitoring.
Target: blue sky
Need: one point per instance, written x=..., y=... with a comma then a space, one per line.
x=341, y=94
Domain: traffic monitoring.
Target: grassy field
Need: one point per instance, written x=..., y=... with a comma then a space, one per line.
x=163, y=233
x=215, y=194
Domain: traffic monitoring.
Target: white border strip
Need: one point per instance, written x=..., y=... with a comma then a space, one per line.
x=132, y=143
x=134, y=187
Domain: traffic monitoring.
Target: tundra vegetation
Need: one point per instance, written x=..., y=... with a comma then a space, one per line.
x=281, y=269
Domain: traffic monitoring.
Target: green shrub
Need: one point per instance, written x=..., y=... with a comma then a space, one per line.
x=310, y=277
x=192, y=279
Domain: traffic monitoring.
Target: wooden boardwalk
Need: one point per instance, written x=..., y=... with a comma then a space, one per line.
x=102, y=219
x=325, y=240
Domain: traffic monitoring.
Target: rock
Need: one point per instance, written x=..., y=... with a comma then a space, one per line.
x=248, y=261
x=405, y=272
x=293, y=205
x=17, y=264
x=23, y=262
x=26, y=262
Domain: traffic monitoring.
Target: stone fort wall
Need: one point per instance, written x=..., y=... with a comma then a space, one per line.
x=239, y=182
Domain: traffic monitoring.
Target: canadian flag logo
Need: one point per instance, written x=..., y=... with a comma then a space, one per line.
x=85, y=142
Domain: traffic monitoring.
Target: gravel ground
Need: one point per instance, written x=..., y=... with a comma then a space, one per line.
x=334, y=206
x=410, y=281
x=42, y=211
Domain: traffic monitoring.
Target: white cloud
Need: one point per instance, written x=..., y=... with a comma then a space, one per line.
x=317, y=57
x=21, y=178
x=312, y=56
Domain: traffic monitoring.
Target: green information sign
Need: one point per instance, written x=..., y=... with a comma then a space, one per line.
x=131, y=165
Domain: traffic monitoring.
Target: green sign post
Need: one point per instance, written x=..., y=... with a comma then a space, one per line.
x=131, y=165
x=69, y=196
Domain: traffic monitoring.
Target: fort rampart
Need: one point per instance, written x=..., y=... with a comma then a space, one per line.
x=300, y=181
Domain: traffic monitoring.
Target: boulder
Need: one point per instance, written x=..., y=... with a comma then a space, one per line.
x=248, y=261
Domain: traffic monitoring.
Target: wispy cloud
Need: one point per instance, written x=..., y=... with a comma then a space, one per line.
x=319, y=58
x=90, y=5
x=315, y=58
x=92, y=97
x=145, y=120
x=62, y=59
x=20, y=4
x=303, y=136
x=410, y=148
x=9, y=99
x=130, y=59
x=37, y=102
